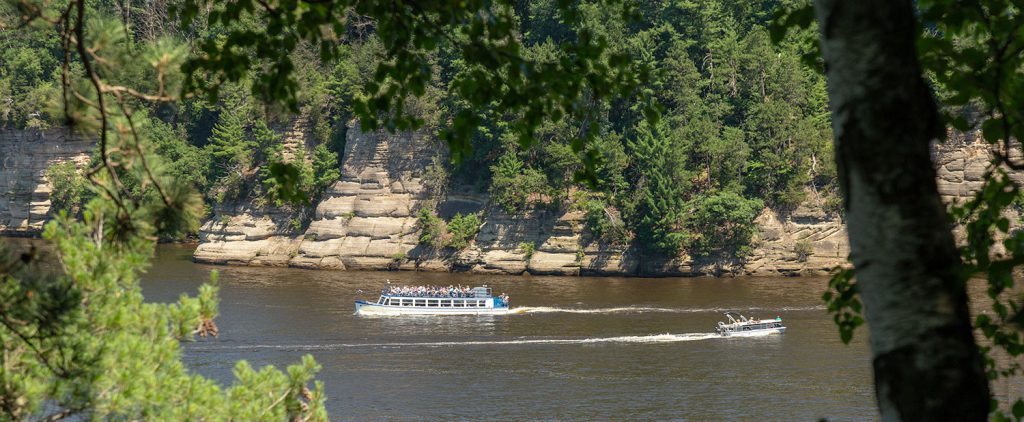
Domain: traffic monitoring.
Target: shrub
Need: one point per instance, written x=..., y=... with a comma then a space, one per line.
x=69, y=187
x=514, y=185
x=433, y=229
x=834, y=204
x=598, y=222
x=722, y=224
x=287, y=185
x=229, y=187
x=462, y=229
x=456, y=234
x=528, y=249
x=436, y=178
x=803, y=250
x=325, y=169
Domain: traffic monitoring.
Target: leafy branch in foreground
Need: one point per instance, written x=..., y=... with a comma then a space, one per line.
x=484, y=34
x=843, y=303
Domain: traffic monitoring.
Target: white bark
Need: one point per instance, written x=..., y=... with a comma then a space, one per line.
x=927, y=366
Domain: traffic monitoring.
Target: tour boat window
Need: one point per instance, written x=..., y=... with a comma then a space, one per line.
x=406, y=302
x=480, y=303
x=432, y=302
x=447, y=303
x=421, y=302
x=458, y=303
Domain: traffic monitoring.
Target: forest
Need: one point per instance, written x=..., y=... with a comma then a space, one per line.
x=744, y=123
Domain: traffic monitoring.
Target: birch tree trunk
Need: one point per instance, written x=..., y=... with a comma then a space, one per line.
x=926, y=363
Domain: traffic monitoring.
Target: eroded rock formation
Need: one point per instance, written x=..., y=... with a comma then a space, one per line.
x=367, y=219
x=24, y=192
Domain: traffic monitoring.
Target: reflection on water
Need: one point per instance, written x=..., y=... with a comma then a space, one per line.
x=576, y=348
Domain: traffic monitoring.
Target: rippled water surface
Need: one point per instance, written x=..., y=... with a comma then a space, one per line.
x=578, y=347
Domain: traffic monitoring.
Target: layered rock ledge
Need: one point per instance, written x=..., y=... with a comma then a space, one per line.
x=367, y=221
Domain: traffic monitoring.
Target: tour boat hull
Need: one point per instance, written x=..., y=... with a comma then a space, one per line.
x=368, y=308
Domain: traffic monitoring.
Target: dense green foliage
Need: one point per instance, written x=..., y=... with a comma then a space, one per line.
x=433, y=229
x=457, y=233
x=463, y=229
x=741, y=118
x=744, y=125
x=68, y=187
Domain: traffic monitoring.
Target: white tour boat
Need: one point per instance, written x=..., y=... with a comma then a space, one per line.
x=477, y=301
x=741, y=326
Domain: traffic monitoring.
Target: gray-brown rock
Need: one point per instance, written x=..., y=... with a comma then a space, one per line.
x=24, y=192
x=367, y=221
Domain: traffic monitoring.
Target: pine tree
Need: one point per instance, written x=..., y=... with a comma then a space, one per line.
x=325, y=169
x=230, y=145
x=657, y=212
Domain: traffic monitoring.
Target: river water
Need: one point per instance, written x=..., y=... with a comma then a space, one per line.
x=579, y=348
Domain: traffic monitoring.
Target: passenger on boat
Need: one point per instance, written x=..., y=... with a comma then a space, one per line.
x=427, y=291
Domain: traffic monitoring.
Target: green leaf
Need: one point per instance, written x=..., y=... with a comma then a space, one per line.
x=288, y=183
x=992, y=130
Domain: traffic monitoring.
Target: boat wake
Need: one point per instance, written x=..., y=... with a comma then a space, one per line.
x=644, y=309
x=621, y=310
x=648, y=339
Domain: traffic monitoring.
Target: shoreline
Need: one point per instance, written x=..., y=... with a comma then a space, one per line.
x=451, y=263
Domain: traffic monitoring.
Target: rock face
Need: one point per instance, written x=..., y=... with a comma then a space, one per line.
x=248, y=235
x=24, y=192
x=560, y=245
x=807, y=241
x=367, y=221
x=248, y=232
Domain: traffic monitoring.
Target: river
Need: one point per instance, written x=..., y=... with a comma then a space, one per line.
x=583, y=347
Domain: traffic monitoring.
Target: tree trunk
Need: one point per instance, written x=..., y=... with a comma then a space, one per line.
x=926, y=364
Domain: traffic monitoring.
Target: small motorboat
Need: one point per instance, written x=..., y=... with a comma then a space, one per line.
x=741, y=326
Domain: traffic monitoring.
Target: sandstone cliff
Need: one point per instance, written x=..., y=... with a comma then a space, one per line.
x=24, y=192
x=367, y=221
x=250, y=232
